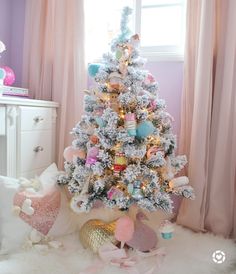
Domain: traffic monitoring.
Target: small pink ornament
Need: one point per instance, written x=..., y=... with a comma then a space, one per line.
x=114, y=193
x=130, y=123
x=124, y=229
x=92, y=156
x=70, y=153
x=99, y=111
x=152, y=105
x=10, y=76
x=149, y=79
x=153, y=150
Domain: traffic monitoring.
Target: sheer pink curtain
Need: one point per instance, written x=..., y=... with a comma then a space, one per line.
x=208, y=130
x=54, y=64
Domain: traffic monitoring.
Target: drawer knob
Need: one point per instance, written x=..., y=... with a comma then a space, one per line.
x=38, y=149
x=38, y=119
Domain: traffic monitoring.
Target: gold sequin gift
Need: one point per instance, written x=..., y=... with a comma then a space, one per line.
x=95, y=233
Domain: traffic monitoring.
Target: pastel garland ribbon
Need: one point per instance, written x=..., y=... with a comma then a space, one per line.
x=110, y=254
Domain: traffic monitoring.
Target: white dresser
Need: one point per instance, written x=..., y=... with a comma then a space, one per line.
x=27, y=136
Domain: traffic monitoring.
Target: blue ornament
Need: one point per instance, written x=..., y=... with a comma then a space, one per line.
x=2, y=73
x=93, y=69
x=167, y=236
x=130, y=188
x=145, y=129
x=100, y=121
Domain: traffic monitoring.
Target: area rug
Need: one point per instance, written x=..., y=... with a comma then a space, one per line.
x=186, y=253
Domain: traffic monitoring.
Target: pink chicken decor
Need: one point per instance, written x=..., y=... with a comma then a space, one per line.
x=144, y=238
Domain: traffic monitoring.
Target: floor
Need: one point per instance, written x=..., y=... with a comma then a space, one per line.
x=186, y=253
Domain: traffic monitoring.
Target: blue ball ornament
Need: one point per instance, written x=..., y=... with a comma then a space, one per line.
x=2, y=73
x=145, y=129
x=93, y=69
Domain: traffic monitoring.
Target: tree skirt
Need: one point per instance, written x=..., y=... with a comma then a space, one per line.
x=186, y=253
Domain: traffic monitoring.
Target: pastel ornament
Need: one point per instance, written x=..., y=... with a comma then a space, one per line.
x=180, y=181
x=2, y=75
x=130, y=123
x=145, y=129
x=118, y=53
x=100, y=122
x=93, y=69
x=124, y=229
x=114, y=193
x=149, y=79
x=135, y=41
x=152, y=105
x=120, y=163
x=153, y=150
x=112, y=101
x=130, y=188
x=92, y=156
x=115, y=81
x=94, y=139
x=9, y=78
x=77, y=202
x=70, y=153
x=166, y=229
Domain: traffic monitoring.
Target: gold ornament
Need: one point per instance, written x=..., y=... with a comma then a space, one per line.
x=95, y=233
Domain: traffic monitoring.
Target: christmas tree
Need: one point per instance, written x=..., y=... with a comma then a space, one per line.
x=123, y=152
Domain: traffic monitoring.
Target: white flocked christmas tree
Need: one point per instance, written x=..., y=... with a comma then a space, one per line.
x=123, y=151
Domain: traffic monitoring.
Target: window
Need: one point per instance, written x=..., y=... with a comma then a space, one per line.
x=160, y=23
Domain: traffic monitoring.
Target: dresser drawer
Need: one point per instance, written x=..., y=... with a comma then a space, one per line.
x=35, y=118
x=35, y=150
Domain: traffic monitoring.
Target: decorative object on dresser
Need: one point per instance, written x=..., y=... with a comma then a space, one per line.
x=27, y=136
x=14, y=91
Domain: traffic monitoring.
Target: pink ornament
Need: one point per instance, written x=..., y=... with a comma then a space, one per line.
x=152, y=105
x=149, y=79
x=70, y=153
x=130, y=123
x=10, y=76
x=92, y=156
x=114, y=193
x=153, y=150
x=124, y=229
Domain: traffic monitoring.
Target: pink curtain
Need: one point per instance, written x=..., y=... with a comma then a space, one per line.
x=208, y=130
x=54, y=64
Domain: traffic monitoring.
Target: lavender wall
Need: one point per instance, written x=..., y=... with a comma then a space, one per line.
x=12, y=17
x=5, y=29
x=170, y=78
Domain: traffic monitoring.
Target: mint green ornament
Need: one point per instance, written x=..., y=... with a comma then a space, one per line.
x=118, y=54
x=130, y=188
x=2, y=73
